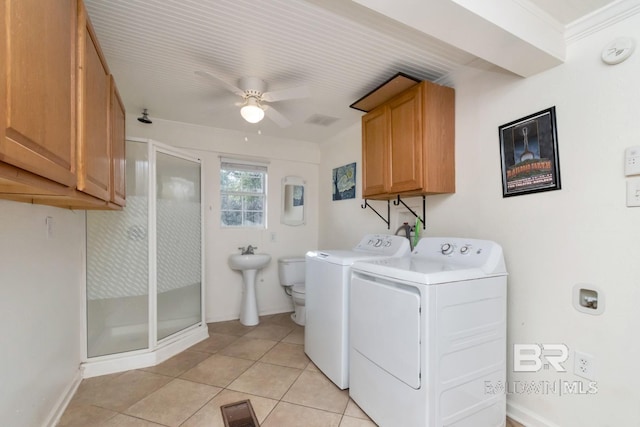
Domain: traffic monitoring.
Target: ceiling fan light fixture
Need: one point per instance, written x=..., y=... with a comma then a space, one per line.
x=252, y=111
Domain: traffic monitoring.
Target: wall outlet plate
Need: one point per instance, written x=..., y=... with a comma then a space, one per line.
x=632, y=161
x=633, y=192
x=584, y=365
x=49, y=225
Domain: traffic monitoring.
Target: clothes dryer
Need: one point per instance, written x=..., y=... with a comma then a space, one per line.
x=428, y=335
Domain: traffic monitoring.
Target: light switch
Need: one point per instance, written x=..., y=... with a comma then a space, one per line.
x=633, y=192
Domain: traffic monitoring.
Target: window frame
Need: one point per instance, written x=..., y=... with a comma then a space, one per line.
x=230, y=165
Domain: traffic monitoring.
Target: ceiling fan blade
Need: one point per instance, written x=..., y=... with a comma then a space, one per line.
x=276, y=116
x=291, y=93
x=218, y=80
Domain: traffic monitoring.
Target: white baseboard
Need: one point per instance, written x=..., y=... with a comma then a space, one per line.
x=61, y=405
x=220, y=318
x=227, y=317
x=526, y=417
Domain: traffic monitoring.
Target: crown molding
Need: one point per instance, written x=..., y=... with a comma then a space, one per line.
x=601, y=19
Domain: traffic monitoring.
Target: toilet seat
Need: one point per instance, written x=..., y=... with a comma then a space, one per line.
x=298, y=288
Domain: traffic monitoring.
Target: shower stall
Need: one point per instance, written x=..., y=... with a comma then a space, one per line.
x=144, y=293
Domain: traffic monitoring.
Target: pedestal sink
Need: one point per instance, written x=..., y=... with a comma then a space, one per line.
x=249, y=265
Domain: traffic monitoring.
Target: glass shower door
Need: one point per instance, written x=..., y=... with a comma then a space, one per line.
x=178, y=244
x=118, y=266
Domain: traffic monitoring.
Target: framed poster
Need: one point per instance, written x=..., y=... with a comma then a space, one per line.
x=529, y=154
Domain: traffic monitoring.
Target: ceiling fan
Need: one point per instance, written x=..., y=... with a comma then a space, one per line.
x=254, y=95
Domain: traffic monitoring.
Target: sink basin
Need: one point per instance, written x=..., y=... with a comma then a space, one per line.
x=249, y=265
x=249, y=262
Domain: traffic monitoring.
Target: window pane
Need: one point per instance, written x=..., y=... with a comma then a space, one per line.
x=253, y=184
x=254, y=203
x=231, y=180
x=231, y=202
x=253, y=219
x=231, y=218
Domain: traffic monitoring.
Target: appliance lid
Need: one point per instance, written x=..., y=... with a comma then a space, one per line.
x=440, y=260
x=341, y=257
x=370, y=246
x=423, y=272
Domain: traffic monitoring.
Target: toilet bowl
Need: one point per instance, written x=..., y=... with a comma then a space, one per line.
x=291, y=271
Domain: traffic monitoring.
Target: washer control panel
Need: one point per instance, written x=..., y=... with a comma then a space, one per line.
x=449, y=248
x=470, y=252
x=384, y=244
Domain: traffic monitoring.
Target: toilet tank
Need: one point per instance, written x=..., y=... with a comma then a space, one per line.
x=291, y=270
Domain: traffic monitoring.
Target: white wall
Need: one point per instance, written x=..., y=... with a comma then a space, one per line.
x=344, y=222
x=40, y=310
x=582, y=233
x=223, y=286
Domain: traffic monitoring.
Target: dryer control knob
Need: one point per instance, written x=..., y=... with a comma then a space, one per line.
x=378, y=243
x=464, y=250
x=446, y=248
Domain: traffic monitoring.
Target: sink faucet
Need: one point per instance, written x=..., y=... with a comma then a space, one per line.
x=248, y=250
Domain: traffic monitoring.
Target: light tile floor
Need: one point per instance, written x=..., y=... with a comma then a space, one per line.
x=264, y=363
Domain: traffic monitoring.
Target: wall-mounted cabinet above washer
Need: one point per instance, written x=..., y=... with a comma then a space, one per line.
x=408, y=144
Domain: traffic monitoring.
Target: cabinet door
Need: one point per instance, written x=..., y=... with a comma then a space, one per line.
x=405, y=144
x=94, y=148
x=117, y=121
x=375, y=134
x=37, y=99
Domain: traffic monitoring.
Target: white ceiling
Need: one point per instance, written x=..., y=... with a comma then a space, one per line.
x=340, y=49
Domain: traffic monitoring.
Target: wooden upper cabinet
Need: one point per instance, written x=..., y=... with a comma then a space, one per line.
x=408, y=144
x=38, y=94
x=405, y=142
x=375, y=129
x=117, y=121
x=94, y=93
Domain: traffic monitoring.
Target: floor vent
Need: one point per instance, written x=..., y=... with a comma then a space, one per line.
x=239, y=414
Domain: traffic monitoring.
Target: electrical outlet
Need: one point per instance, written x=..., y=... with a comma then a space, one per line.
x=49, y=226
x=584, y=365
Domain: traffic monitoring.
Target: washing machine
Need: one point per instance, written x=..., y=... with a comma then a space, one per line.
x=428, y=335
x=326, y=335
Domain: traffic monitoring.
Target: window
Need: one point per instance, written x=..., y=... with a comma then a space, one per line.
x=243, y=193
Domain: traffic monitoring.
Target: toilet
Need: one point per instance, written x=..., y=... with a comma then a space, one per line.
x=291, y=271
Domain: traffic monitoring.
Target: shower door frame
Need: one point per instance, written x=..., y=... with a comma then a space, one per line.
x=153, y=246
x=157, y=351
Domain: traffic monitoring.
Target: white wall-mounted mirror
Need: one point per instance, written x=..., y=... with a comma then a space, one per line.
x=292, y=200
